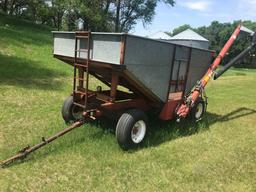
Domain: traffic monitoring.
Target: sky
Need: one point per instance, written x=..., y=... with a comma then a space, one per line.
x=197, y=13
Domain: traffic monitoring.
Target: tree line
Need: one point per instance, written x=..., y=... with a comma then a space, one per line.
x=218, y=33
x=96, y=15
x=116, y=16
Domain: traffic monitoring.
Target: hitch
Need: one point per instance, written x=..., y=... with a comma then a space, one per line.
x=27, y=150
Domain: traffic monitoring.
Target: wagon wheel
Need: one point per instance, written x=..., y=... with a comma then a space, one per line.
x=131, y=129
x=198, y=110
x=71, y=112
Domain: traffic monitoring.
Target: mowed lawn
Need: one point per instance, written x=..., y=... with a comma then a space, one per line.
x=217, y=154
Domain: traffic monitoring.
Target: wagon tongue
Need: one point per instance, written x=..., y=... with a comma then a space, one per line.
x=27, y=150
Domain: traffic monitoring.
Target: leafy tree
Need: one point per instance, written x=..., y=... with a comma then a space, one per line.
x=53, y=13
x=97, y=15
x=180, y=29
x=218, y=33
x=128, y=12
x=4, y=5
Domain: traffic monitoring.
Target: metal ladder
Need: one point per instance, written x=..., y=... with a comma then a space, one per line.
x=81, y=70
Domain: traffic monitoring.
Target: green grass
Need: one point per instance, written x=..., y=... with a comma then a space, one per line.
x=217, y=154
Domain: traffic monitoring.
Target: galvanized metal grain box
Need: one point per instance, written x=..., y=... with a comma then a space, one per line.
x=159, y=66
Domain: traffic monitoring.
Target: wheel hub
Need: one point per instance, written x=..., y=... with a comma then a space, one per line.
x=76, y=112
x=199, y=110
x=138, y=131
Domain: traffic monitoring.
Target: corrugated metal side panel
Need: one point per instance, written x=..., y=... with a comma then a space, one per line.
x=104, y=47
x=150, y=62
x=64, y=44
x=199, y=64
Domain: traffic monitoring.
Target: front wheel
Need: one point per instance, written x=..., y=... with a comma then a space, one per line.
x=198, y=110
x=131, y=129
x=69, y=111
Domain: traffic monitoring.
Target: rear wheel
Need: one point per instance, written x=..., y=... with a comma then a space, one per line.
x=70, y=112
x=198, y=111
x=131, y=129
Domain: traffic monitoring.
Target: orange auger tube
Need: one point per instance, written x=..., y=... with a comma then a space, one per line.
x=184, y=108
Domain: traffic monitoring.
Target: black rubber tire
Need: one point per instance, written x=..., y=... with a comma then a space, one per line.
x=67, y=110
x=193, y=113
x=125, y=125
